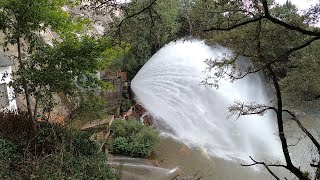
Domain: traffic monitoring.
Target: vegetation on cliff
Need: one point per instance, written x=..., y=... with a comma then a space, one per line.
x=48, y=152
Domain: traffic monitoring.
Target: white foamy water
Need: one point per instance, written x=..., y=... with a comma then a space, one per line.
x=169, y=87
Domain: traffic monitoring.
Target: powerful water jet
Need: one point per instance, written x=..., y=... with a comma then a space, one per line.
x=169, y=87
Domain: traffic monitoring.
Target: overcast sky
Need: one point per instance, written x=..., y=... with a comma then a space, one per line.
x=301, y=4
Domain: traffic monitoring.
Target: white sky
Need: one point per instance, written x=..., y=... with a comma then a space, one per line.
x=301, y=4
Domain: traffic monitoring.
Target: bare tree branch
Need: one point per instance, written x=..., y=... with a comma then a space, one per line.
x=313, y=98
x=234, y=26
x=288, y=52
x=310, y=136
x=284, y=24
x=291, y=145
x=267, y=166
x=135, y=14
x=274, y=20
x=107, y=3
x=243, y=109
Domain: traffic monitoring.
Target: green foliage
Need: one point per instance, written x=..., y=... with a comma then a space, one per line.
x=143, y=143
x=126, y=103
x=133, y=139
x=148, y=31
x=303, y=72
x=127, y=128
x=54, y=153
x=16, y=126
x=90, y=107
x=8, y=151
x=67, y=166
x=68, y=65
x=82, y=144
x=8, y=157
x=120, y=145
x=307, y=175
x=22, y=18
x=52, y=137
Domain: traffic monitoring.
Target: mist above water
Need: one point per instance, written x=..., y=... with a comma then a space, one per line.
x=169, y=87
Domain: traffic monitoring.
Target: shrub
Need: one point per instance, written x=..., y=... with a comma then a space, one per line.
x=126, y=103
x=127, y=128
x=8, y=151
x=16, y=126
x=68, y=166
x=73, y=155
x=55, y=153
x=82, y=145
x=144, y=143
x=133, y=139
x=120, y=145
x=51, y=137
x=90, y=107
x=8, y=156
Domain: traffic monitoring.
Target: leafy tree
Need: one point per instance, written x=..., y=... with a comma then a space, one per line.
x=146, y=25
x=69, y=65
x=22, y=19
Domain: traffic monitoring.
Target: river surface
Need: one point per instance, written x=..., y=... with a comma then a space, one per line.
x=193, y=162
x=175, y=159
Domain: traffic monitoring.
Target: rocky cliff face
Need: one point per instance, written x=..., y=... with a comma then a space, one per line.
x=100, y=19
x=100, y=14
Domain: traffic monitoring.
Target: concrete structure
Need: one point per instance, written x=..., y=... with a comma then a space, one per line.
x=118, y=80
x=7, y=96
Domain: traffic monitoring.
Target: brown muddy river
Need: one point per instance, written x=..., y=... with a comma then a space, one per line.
x=194, y=163
x=173, y=159
x=190, y=162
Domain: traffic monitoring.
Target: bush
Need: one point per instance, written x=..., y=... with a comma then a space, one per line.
x=127, y=128
x=74, y=155
x=54, y=152
x=144, y=143
x=120, y=145
x=82, y=145
x=126, y=103
x=51, y=137
x=16, y=126
x=8, y=151
x=68, y=166
x=8, y=156
x=133, y=139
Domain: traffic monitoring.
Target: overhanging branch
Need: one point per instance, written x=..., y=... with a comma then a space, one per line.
x=288, y=52
x=310, y=136
x=135, y=14
x=234, y=26
x=268, y=16
x=284, y=24
x=267, y=166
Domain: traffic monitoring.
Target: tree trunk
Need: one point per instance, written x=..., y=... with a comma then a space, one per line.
x=24, y=83
x=296, y=171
